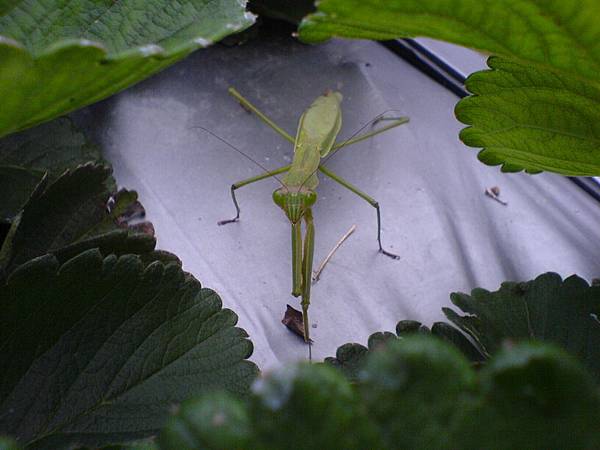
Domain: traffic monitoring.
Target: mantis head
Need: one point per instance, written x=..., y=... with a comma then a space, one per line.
x=294, y=203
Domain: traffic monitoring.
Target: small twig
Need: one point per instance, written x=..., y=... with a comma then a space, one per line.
x=317, y=273
x=493, y=193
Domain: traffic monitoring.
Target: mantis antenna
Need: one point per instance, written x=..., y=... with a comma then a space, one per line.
x=249, y=158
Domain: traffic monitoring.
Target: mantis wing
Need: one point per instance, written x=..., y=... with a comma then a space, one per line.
x=317, y=130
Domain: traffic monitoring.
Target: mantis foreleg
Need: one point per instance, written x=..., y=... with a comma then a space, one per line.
x=307, y=263
x=296, y=259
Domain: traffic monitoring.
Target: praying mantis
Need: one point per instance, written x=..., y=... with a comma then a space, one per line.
x=315, y=140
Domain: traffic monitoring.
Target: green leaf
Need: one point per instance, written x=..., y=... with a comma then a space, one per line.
x=538, y=108
x=97, y=350
x=526, y=117
x=550, y=33
x=545, y=309
x=26, y=156
x=58, y=56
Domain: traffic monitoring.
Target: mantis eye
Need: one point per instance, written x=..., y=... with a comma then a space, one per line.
x=279, y=198
x=310, y=198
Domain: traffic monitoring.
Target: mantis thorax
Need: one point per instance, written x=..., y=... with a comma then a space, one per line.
x=294, y=202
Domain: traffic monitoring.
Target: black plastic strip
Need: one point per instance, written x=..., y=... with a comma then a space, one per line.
x=588, y=185
x=441, y=72
x=440, y=63
x=422, y=63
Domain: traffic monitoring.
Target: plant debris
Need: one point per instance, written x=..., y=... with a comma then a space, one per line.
x=127, y=212
x=293, y=320
x=317, y=273
x=494, y=193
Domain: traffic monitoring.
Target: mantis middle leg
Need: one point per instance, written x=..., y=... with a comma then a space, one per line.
x=239, y=184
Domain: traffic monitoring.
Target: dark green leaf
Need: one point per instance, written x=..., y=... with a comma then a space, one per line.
x=309, y=407
x=216, y=421
x=299, y=407
x=425, y=395
x=118, y=242
x=538, y=108
x=57, y=58
x=96, y=351
x=289, y=10
x=25, y=157
x=414, y=393
x=451, y=335
x=8, y=444
x=57, y=215
x=63, y=217
x=16, y=185
x=534, y=396
x=379, y=339
x=351, y=358
x=147, y=444
x=546, y=309
x=156, y=255
x=407, y=327
x=414, y=388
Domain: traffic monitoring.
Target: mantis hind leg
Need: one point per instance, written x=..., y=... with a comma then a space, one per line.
x=250, y=107
x=237, y=208
x=239, y=184
x=366, y=197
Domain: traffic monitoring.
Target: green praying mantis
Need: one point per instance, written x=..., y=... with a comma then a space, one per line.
x=315, y=140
